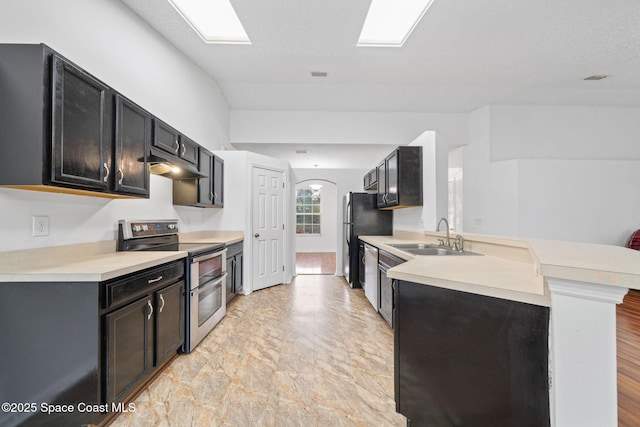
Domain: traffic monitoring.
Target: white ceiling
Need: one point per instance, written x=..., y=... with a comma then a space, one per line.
x=461, y=56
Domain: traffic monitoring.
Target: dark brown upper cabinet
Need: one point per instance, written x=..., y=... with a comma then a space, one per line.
x=400, y=179
x=59, y=129
x=206, y=191
x=188, y=150
x=80, y=145
x=218, y=182
x=173, y=142
x=370, y=181
x=132, y=139
x=165, y=137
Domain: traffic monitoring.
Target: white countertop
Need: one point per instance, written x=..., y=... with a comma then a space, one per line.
x=94, y=268
x=514, y=269
x=226, y=237
x=95, y=261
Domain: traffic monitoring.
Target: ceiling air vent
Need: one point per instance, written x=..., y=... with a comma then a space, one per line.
x=301, y=151
x=319, y=74
x=597, y=77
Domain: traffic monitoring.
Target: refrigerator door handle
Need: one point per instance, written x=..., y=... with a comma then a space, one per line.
x=347, y=233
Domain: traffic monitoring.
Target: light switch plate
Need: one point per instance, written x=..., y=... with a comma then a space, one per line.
x=40, y=226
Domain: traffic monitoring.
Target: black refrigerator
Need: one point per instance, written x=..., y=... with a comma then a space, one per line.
x=361, y=218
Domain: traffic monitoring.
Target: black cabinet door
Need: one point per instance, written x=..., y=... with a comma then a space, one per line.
x=382, y=184
x=165, y=137
x=129, y=347
x=218, y=182
x=231, y=261
x=392, y=179
x=132, y=139
x=205, y=183
x=169, y=318
x=188, y=150
x=81, y=145
x=469, y=360
x=237, y=276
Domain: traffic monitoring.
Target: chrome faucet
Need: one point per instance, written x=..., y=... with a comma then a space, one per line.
x=438, y=230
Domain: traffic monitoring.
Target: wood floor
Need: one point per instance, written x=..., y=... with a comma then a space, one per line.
x=628, y=326
x=316, y=263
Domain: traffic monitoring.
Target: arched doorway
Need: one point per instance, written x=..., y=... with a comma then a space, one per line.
x=316, y=226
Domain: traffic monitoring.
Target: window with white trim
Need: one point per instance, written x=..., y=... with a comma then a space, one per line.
x=308, y=210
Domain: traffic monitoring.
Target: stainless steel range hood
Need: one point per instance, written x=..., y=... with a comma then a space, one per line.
x=173, y=167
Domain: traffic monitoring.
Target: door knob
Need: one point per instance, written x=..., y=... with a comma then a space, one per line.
x=256, y=235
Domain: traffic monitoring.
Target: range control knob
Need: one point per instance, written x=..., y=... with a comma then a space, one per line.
x=145, y=227
x=136, y=228
x=172, y=226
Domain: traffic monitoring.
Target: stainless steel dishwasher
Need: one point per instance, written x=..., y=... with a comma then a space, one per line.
x=370, y=283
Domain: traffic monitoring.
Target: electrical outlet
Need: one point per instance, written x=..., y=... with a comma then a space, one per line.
x=40, y=226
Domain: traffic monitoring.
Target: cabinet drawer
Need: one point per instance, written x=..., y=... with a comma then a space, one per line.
x=188, y=150
x=233, y=250
x=127, y=289
x=165, y=137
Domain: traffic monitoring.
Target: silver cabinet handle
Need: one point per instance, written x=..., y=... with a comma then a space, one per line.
x=121, y=176
x=106, y=170
x=211, y=195
x=177, y=146
x=184, y=149
x=215, y=196
x=150, y=310
x=157, y=279
x=162, y=301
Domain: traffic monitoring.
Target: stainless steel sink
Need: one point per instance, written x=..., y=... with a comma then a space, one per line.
x=405, y=246
x=429, y=249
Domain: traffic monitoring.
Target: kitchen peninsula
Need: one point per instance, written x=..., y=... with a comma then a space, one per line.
x=578, y=283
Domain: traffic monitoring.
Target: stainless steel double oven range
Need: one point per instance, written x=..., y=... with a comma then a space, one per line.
x=205, y=304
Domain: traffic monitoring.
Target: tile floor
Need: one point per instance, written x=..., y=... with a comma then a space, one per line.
x=311, y=353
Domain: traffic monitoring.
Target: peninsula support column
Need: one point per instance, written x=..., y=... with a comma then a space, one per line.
x=583, y=353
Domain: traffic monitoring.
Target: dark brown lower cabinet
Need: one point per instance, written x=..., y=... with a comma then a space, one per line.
x=469, y=360
x=169, y=321
x=129, y=350
x=140, y=336
x=386, y=303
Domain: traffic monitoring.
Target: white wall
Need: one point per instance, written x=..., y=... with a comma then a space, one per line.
x=572, y=174
x=324, y=127
x=490, y=188
x=579, y=200
x=564, y=132
x=326, y=240
x=108, y=40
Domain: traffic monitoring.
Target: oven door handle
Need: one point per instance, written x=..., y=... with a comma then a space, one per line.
x=213, y=282
x=208, y=256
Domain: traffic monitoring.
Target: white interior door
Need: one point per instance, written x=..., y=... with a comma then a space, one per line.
x=268, y=227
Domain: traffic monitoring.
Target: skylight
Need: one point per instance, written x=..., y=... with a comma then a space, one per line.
x=389, y=22
x=214, y=20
